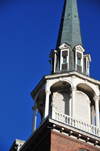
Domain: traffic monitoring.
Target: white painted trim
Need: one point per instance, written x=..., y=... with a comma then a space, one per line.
x=54, y=62
x=68, y=59
x=51, y=65
x=64, y=46
x=75, y=60
x=60, y=60
x=80, y=48
x=87, y=65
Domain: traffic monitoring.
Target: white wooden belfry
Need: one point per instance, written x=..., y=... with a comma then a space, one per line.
x=52, y=107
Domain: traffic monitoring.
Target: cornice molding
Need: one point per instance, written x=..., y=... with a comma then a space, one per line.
x=79, y=48
x=64, y=46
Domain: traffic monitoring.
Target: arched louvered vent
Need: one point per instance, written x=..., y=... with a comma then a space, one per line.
x=82, y=149
x=82, y=107
x=61, y=101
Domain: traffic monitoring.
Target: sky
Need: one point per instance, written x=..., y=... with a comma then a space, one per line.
x=28, y=32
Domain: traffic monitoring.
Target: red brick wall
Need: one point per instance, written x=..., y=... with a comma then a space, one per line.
x=61, y=142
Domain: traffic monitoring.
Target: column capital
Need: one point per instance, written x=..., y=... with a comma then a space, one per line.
x=73, y=88
x=48, y=92
x=96, y=97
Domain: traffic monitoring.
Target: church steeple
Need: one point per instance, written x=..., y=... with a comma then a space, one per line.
x=69, y=53
x=70, y=32
x=68, y=100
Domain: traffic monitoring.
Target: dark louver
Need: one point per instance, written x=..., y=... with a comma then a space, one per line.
x=64, y=53
x=64, y=66
x=79, y=55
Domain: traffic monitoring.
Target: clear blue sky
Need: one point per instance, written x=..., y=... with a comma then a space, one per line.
x=28, y=32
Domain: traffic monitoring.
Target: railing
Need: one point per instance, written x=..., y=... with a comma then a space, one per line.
x=77, y=123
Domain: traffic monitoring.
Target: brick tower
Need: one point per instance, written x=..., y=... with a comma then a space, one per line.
x=67, y=99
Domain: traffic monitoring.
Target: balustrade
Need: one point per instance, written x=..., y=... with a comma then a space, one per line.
x=66, y=119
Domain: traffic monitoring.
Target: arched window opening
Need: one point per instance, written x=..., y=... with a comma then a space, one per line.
x=61, y=101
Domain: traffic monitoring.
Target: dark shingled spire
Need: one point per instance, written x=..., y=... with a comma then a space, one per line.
x=69, y=31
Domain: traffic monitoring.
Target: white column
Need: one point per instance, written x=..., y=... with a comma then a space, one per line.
x=92, y=115
x=73, y=101
x=89, y=109
x=34, y=118
x=96, y=98
x=46, y=112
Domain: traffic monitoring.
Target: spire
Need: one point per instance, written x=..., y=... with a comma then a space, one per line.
x=69, y=54
x=70, y=25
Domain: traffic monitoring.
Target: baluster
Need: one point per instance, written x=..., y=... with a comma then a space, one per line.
x=72, y=122
x=89, y=127
x=64, y=119
x=86, y=127
x=58, y=116
x=93, y=130
x=77, y=124
x=67, y=119
x=99, y=132
x=55, y=115
x=82, y=125
x=61, y=117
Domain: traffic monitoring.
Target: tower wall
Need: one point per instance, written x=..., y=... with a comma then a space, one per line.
x=61, y=142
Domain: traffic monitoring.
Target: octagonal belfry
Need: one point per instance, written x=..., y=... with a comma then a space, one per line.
x=71, y=98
